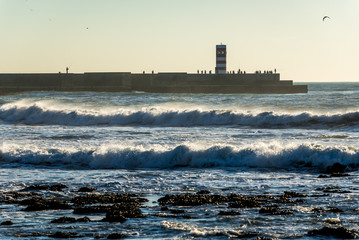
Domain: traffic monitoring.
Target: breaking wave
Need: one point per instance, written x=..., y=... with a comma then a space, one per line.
x=315, y=157
x=36, y=115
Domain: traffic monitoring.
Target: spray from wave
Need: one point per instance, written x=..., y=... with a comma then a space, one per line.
x=35, y=114
x=315, y=157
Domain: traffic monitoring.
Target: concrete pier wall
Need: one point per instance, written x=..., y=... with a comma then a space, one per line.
x=161, y=83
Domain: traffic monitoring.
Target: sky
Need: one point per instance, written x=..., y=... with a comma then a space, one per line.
x=180, y=36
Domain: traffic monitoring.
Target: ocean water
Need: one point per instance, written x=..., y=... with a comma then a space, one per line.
x=158, y=144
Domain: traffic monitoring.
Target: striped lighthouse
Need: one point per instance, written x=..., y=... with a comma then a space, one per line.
x=221, y=59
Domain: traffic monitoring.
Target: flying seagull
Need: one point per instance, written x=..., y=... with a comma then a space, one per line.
x=326, y=17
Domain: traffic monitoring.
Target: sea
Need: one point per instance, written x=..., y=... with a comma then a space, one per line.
x=155, y=145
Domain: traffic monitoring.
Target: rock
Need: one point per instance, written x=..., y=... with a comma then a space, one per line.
x=228, y=213
x=340, y=232
x=164, y=208
x=12, y=197
x=7, y=223
x=107, y=198
x=293, y=194
x=64, y=220
x=39, y=204
x=70, y=220
x=332, y=189
x=245, y=203
x=92, y=209
x=274, y=210
x=84, y=219
x=192, y=199
x=116, y=236
x=120, y=213
x=265, y=238
x=63, y=235
x=176, y=211
x=335, y=168
x=87, y=189
x=203, y=192
x=55, y=187
x=116, y=216
x=334, y=210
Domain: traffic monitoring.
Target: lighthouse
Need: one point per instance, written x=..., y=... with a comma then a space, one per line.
x=221, y=59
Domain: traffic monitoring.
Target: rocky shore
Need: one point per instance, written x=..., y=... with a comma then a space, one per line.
x=75, y=210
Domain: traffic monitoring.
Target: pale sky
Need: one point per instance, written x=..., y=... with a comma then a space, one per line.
x=180, y=36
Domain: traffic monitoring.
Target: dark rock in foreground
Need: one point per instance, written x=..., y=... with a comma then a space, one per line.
x=341, y=233
x=87, y=189
x=116, y=236
x=275, y=210
x=55, y=187
x=40, y=204
x=192, y=199
x=120, y=213
x=70, y=220
x=228, y=213
x=7, y=223
x=106, y=198
x=336, y=168
x=63, y=235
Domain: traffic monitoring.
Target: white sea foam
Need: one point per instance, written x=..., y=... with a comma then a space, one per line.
x=262, y=156
x=40, y=113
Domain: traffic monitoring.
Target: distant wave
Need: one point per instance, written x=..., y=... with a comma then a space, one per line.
x=36, y=115
x=298, y=157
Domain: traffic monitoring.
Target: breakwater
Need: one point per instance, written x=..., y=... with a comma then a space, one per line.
x=157, y=83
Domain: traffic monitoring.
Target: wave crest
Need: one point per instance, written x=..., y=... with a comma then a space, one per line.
x=300, y=157
x=38, y=115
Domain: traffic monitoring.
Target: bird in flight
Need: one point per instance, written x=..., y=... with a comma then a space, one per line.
x=325, y=17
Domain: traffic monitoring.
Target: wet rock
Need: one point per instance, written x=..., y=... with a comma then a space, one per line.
x=64, y=220
x=39, y=204
x=192, y=199
x=28, y=235
x=107, y=198
x=335, y=168
x=63, y=235
x=332, y=189
x=164, y=208
x=55, y=187
x=265, y=238
x=115, y=216
x=176, y=211
x=340, y=232
x=248, y=202
x=92, y=209
x=70, y=220
x=243, y=235
x=84, y=219
x=275, y=210
x=203, y=192
x=292, y=194
x=7, y=223
x=323, y=176
x=228, y=213
x=116, y=236
x=121, y=212
x=334, y=210
x=86, y=189
x=15, y=197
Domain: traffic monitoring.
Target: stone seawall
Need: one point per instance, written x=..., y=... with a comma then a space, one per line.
x=160, y=83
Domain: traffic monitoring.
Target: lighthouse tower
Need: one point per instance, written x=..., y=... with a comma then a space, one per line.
x=221, y=59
